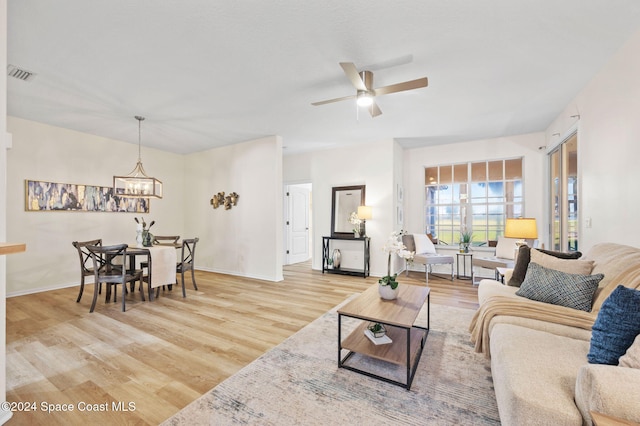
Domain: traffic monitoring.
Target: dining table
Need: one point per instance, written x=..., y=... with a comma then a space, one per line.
x=161, y=261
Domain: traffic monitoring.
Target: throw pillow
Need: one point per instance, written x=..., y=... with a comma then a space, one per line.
x=615, y=328
x=580, y=267
x=506, y=248
x=524, y=257
x=631, y=359
x=559, y=288
x=423, y=244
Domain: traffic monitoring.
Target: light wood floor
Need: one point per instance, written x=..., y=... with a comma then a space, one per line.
x=162, y=355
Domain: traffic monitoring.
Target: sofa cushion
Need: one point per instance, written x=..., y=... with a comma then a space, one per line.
x=582, y=267
x=559, y=288
x=631, y=359
x=423, y=244
x=524, y=257
x=534, y=375
x=609, y=390
x=616, y=326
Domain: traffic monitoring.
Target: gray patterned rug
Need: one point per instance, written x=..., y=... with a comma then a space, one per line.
x=299, y=383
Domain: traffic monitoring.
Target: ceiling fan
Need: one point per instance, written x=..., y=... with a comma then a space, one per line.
x=363, y=82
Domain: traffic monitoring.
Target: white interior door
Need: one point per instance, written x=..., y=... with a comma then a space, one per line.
x=298, y=223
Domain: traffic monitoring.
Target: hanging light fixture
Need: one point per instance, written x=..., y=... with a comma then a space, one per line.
x=137, y=183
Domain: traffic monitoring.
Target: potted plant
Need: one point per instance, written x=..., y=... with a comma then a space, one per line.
x=356, y=221
x=465, y=241
x=377, y=329
x=388, y=286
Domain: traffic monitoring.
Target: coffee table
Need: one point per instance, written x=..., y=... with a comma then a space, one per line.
x=398, y=317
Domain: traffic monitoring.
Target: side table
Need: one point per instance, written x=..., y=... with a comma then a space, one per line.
x=464, y=257
x=500, y=274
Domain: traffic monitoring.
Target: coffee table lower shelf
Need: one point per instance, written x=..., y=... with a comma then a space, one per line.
x=406, y=350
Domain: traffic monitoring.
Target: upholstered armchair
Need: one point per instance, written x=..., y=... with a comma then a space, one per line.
x=426, y=254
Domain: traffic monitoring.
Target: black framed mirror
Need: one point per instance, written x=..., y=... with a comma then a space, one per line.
x=344, y=201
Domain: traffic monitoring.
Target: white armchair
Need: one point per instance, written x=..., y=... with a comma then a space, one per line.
x=425, y=253
x=504, y=257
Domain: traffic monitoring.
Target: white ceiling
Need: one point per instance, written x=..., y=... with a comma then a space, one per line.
x=210, y=73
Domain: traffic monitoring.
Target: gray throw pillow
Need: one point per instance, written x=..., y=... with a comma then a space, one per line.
x=524, y=257
x=559, y=288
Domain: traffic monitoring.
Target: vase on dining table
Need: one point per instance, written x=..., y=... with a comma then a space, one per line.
x=139, y=235
x=147, y=239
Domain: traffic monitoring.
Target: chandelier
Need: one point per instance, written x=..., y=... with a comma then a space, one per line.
x=137, y=183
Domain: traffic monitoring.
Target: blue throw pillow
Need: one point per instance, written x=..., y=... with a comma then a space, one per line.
x=615, y=328
x=559, y=288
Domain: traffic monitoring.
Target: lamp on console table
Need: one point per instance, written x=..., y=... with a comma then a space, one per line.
x=364, y=213
x=523, y=229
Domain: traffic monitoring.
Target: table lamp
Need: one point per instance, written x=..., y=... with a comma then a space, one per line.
x=364, y=213
x=523, y=228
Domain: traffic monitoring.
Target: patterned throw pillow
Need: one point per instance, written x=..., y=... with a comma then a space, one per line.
x=617, y=324
x=559, y=288
x=524, y=257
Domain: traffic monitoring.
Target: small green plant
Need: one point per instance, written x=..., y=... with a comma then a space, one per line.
x=466, y=237
x=377, y=329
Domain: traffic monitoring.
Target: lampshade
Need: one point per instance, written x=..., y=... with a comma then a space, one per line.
x=364, y=212
x=521, y=228
x=137, y=184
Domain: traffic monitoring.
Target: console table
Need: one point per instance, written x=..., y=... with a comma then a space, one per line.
x=327, y=252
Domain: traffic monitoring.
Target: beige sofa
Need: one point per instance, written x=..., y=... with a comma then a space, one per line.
x=539, y=351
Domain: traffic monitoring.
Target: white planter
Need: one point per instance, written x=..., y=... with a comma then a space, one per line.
x=387, y=293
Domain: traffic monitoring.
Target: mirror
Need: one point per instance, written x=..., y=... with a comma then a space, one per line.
x=345, y=200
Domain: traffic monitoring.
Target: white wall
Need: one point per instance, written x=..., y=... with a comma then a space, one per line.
x=247, y=239
x=373, y=166
x=608, y=149
x=43, y=152
x=535, y=182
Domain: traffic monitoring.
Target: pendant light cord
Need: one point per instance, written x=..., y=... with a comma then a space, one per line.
x=139, y=118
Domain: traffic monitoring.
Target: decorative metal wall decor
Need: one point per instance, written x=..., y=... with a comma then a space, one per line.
x=51, y=196
x=227, y=201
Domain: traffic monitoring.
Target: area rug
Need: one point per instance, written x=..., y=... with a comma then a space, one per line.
x=299, y=383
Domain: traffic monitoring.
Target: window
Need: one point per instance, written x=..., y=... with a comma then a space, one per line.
x=563, y=166
x=476, y=196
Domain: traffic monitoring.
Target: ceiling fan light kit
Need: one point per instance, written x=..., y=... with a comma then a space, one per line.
x=365, y=98
x=365, y=93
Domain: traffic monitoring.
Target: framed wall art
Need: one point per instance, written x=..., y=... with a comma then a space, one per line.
x=52, y=196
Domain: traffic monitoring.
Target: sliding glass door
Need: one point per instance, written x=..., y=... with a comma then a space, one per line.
x=563, y=167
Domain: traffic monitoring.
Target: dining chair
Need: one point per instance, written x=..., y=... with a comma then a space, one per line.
x=86, y=263
x=187, y=260
x=165, y=239
x=113, y=271
x=160, y=240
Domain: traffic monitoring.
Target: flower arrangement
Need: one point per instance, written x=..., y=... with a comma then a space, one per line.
x=394, y=246
x=355, y=220
x=144, y=224
x=143, y=231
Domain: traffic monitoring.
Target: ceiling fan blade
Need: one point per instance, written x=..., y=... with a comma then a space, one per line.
x=344, y=98
x=352, y=72
x=374, y=110
x=401, y=87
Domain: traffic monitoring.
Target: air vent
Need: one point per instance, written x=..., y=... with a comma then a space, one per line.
x=20, y=73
